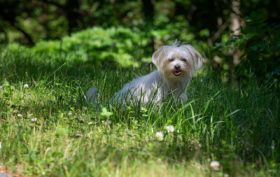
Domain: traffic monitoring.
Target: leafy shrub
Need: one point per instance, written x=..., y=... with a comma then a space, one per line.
x=124, y=47
x=97, y=45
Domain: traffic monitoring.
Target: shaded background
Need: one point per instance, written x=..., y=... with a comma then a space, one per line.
x=240, y=39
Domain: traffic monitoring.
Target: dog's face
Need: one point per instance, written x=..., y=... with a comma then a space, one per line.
x=177, y=62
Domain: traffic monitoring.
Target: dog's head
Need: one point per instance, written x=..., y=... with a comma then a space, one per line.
x=177, y=61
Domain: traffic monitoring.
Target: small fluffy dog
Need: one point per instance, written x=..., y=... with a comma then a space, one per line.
x=175, y=67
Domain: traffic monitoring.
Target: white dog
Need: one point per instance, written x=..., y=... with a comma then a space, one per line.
x=175, y=66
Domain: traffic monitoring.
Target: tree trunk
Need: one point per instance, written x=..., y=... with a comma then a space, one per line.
x=235, y=17
x=235, y=26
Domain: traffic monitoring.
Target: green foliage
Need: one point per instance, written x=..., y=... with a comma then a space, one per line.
x=119, y=46
x=261, y=45
x=96, y=45
x=258, y=47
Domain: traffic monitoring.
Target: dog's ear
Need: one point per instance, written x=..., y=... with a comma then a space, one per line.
x=157, y=55
x=195, y=57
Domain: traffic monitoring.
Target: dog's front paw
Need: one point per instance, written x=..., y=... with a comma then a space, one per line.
x=183, y=97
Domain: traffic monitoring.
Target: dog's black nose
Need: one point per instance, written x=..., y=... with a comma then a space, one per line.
x=177, y=67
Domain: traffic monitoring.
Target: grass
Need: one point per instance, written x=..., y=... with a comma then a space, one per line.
x=47, y=128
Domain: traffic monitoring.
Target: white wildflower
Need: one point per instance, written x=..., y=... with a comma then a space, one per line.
x=170, y=128
x=159, y=136
x=34, y=119
x=25, y=86
x=70, y=113
x=215, y=165
x=107, y=122
x=0, y=145
x=19, y=115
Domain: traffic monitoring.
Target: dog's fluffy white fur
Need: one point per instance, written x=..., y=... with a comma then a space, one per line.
x=175, y=66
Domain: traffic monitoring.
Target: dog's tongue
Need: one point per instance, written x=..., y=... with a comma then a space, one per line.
x=177, y=72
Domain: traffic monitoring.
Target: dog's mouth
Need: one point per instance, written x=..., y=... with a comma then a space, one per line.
x=177, y=72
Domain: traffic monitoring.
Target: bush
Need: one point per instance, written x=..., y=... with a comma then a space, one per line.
x=123, y=47
x=97, y=45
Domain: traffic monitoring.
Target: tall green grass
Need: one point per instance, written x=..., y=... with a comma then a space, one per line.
x=48, y=129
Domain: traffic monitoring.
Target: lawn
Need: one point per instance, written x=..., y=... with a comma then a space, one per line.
x=48, y=129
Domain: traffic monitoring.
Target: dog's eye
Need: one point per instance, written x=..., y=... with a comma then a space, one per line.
x=183, y=59
x=170, y=59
